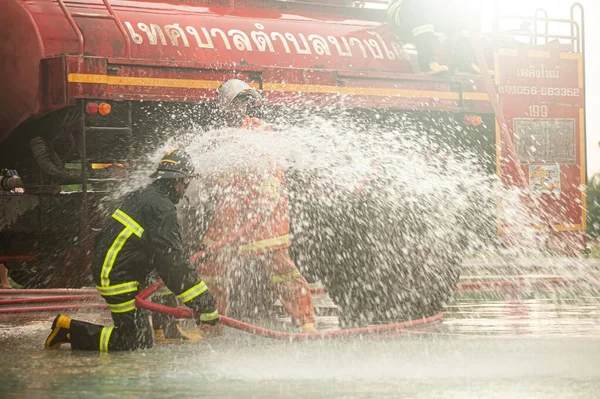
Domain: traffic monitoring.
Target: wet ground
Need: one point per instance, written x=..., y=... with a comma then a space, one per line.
x=491, y=344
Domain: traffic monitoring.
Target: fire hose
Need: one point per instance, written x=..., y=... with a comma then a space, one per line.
x=142, y=302
x=89, y=299
x=181, y=313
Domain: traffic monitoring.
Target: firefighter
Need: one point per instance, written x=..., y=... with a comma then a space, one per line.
x=426, y=19
x=141, y=236
x=254, y=197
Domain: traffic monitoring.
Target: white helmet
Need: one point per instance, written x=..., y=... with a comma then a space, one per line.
x=231, y=89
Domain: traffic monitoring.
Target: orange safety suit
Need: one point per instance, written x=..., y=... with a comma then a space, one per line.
x=252, y=210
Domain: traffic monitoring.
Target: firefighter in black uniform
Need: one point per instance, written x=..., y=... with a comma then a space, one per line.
x=424, y=19
x=141, y=236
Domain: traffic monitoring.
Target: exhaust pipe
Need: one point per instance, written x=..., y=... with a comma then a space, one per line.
x=51, y=163
x=9, y=183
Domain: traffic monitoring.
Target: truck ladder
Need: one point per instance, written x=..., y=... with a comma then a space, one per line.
x=111, y=15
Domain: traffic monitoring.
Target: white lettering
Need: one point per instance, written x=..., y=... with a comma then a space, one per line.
x=538, y=111
x=543, y=91
x=263, y=40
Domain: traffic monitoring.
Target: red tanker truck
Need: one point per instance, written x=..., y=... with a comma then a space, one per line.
x=92, y=83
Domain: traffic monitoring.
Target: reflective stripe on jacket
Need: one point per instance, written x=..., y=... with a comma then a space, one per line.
x=141, y=236
x=250, y=195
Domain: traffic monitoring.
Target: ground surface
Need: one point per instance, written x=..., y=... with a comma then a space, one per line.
x=525, y=343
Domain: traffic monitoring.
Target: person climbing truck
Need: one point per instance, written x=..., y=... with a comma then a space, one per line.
x=421, y=21
x=141, y=236
x=252, y=209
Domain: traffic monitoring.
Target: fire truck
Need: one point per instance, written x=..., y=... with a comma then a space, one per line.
x=87, y=87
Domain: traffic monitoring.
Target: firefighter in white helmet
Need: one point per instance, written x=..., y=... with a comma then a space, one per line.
x=264, y=245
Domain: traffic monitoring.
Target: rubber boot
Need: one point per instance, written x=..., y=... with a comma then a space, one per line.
x=166, y=328
x=172, y=332
x=427, y=60
x=61, y=332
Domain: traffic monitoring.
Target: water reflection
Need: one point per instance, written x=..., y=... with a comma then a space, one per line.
x=485, y=347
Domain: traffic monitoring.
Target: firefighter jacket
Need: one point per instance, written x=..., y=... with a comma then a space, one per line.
x=141, y=236
x=252, y=208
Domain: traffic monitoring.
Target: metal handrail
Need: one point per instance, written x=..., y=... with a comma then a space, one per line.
x=112, y=15
x=535, y=24
x=80, y=39
x=575, y=36
x=582, y=21
x=120, y=26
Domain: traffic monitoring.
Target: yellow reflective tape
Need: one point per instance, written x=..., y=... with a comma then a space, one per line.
x=193, y=292
x=209, y=316
x=283, y=87
x=126, y=220
x=538, y=54
x=559, y=227
x=131, y=227
x=105, y=338
x=111, y=255
x=419, y=30
x=118, y=289
x=170, y=161
x=122, y=307
x=284, y=278
x=264, y=244
x=136, y=81
x=360, y=91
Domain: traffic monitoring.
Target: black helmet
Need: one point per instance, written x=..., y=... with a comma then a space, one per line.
x=175, y=164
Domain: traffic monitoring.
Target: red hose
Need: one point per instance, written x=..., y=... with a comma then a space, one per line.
x=54, y=308
x=53, y=291
x=84, y=295
x=181, y=313
x=263, y=332
x=42, y=299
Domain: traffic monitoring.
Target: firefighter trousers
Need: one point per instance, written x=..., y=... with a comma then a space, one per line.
x=290, y=286
x=132, y=330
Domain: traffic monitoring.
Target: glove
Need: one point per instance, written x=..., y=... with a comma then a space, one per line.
x=208, y=318
x=309, y=328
